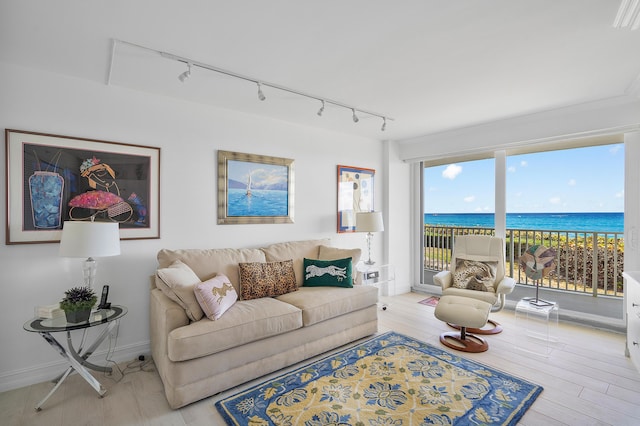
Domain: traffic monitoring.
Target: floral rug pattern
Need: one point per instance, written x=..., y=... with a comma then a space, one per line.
x=389, y=380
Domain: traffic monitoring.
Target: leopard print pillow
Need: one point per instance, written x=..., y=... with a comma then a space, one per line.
x=260, y=279
x=474, y=275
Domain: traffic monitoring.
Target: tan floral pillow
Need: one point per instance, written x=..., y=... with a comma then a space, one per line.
x=474, y=275
x=260, y=279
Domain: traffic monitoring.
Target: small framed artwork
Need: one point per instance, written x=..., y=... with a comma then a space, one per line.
x=355, y=194
x=52, y=179
x=254, y=188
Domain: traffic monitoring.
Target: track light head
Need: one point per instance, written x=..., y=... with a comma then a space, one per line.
x=261, y=95
x=384, y=124
x=355, y=117
x=185, y=75
x=321, y=110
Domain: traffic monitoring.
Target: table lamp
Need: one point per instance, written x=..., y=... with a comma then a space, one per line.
x=89, y=240
x=369, y=222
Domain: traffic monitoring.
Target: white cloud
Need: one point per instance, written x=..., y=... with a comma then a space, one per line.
x=572, y=182
x=555, y=200
x=511, y=169
x=432, y=189
x=523, y=163
x=620, y=194
x=469, y=199
x=614, y=149
x=452, y=171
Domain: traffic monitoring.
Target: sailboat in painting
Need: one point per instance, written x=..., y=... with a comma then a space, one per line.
x=249, y=186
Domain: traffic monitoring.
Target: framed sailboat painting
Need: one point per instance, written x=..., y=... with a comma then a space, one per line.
x=254, y=188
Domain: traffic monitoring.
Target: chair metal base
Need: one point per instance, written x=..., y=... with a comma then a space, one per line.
x=495, y=329
x=463, y=341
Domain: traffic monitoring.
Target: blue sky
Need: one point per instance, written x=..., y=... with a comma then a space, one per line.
x=262, y=175
x=573, y=180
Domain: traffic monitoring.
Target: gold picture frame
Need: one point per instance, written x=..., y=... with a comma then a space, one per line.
x=254, y=189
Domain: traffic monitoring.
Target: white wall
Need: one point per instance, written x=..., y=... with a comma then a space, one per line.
x=189, y=136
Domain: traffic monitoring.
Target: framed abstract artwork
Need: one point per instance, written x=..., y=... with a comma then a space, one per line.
x=254, y=188
x=52, y=179
x=355, y=194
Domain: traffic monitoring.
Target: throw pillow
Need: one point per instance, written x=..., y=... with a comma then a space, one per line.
x=266, y=279
x=475, y=275
x=334, y=273
x=215, y=296
x=296, y=250
x=180, y=283
x=334, y=253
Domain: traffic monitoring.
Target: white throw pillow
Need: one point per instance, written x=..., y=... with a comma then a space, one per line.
x=180, y=283
x=215, y=296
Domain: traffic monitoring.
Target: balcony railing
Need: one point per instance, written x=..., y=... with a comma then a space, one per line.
x=586, y=262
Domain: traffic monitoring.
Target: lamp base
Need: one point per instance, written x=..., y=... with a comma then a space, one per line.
x=89, y=268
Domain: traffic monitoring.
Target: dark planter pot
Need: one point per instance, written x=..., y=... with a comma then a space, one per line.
x=77, y=316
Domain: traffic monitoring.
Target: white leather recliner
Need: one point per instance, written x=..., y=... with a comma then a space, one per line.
x=478, y=250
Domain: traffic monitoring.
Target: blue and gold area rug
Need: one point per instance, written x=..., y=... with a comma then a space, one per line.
x=390, y=379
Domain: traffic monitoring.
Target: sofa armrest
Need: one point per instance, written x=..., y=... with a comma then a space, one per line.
x=443, y=279
x=506, y=286
x=164, y=316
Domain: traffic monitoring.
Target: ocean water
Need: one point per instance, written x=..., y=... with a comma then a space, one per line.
x=260, y=203
x=598, y=222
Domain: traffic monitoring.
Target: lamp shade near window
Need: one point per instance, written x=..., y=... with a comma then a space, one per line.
x=89, y=240
x=369, y=222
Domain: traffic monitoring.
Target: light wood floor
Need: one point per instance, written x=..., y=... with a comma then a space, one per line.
x=586, y=378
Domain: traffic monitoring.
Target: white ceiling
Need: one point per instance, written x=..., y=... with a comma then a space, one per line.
x=432, y=65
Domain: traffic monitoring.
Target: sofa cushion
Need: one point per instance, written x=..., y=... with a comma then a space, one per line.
x=215, y=296
x=321, y=303
x=246, y=321
x=334, y=253
x=296, y=250
x=333, y=273
x=177, y=282
x=266, y=279
x=207, y=263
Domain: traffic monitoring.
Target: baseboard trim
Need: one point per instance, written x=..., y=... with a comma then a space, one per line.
x=48, y=371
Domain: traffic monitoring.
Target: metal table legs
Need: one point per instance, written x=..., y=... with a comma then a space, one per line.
x=78, y=361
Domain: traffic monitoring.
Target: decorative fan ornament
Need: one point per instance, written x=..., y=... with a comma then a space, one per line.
x=536, y=262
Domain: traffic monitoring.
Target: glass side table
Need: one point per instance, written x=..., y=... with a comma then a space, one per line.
x=77, y=359
x=539, y=325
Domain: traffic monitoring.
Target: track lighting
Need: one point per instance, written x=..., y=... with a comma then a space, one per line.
x=261, y=95
x=191, y=63
x=628, y=15
x=185, y=75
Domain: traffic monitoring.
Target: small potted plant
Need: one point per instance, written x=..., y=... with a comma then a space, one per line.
x=77, y=304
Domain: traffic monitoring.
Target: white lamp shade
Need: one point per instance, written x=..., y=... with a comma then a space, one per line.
x=369, y=222
x=90, y=239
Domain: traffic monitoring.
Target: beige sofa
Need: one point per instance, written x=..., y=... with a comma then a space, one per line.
x=197, y=359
